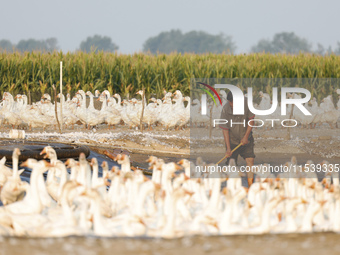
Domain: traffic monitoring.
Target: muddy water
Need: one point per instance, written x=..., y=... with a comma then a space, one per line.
x=325, y=243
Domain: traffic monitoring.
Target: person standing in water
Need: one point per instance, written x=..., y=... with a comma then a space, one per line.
x=236, y=131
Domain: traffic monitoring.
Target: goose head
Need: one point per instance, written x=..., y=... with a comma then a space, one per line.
x=18, y=96
x=89, y=93
x=159, y=102
x=16, y=154
x=46, y=97
x=140, y=92
x=97, y=93
x=41, y=165
x=82, y=159
x=122, y=158
x=49, y=153
x=71, y=163
x=184, y=163
x=94, y=164
x=152, y=160
x=107, y=93
x=105, y=166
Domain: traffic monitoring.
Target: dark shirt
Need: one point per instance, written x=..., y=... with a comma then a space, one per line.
x=237, y=130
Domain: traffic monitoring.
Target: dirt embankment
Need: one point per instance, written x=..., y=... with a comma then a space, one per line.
x=321, y=142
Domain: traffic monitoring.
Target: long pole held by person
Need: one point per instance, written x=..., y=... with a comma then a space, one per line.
x=238, y=146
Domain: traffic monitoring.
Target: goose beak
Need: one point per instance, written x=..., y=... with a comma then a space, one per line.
x=149, y=159
x=303, y=201
x=43, y=151
x=24, y=164
x=84, y=193
x=322, y=202
x=177, y=167
x=67, y=163
x=47, y=164
x=215, y=225
x=282, y=198
x=145, y=179
x=188, y=192
x=141, y=222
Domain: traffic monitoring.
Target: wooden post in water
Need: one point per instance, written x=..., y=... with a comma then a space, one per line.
x=141, y=118
x=29, y=97
x=55, y=106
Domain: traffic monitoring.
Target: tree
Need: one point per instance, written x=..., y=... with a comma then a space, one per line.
x=194, y=41
x=263, y=46
x=284, y=42
x=98, y=43
x=337, y=49
x=320, y=49
x=6, y=45
x=49, y=44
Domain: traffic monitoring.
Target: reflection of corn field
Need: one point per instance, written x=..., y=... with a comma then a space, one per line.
x=35, y=72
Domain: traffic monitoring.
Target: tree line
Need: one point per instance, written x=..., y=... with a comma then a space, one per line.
x=177, y=41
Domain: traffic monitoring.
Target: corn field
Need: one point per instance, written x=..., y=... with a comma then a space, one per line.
x=35, y=72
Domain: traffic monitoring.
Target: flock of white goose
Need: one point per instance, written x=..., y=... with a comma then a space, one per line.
x=125, y=203
x=168, y=112
x=113, y=111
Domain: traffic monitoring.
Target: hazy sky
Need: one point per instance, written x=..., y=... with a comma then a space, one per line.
x=130, y=22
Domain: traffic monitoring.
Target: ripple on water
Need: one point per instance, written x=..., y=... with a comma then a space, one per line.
x=320, y=243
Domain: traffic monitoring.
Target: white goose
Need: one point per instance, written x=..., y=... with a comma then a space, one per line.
x=9, y=111
x=89, y=117
x=111, y=115
x=31, y=204
x=12, y=189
